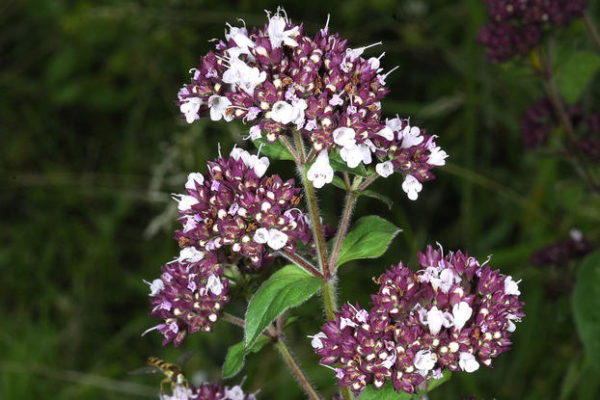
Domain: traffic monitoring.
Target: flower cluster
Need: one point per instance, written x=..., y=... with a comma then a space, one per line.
x=561, y=252
x=207, y=392
x=188, y=296
x=236, y=211
x=454, y=314
x=517, y=26
x=281, y=80
x=540, y=119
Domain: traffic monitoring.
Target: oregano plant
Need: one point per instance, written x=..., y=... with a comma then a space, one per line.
x=314, y=101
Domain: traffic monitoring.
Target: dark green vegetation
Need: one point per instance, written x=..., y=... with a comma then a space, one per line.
x=92, y=145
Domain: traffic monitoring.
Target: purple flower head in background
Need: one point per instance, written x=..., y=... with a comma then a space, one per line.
x=453, y=314
x=235, y=210
x=517, y=26
x=278, y=79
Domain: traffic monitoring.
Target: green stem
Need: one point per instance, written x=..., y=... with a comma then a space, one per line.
x=328, y=289
x=313, y=209
x=342, y=229
x=589, y=24
x=559, y=107
x=296, y=369
x=301, y=262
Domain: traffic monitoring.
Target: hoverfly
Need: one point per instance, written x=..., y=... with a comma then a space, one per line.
x=172, y=372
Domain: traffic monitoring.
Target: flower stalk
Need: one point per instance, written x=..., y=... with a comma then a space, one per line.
x=591, y=28
x=289, y=359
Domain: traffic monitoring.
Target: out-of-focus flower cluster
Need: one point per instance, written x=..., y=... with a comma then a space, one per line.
x=279, y=80
x=561, y=252
x=453, y=314
x=540, y=119
x=207, y=392
x=517, y=26
x=233, y=213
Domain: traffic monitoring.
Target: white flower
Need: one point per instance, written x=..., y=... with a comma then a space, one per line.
x=511, y=325
x=362, y=316
x=395, y=124
x=511, y=287
x=184, y=201
x=190, y=254
x=353, y=54
x=235, y=393
x=576, y=235
x=261, y=235
x=214, y=285
x=316, y=342
x=467, y=362
x=461, y=313
x=218, y=108
x=437, y=156
x=190, y=108
x=352, y=155
x=344, y=136
x=274, y=238
x=367, y=147
x=242, y=75
x=278, y=34
x=156, y=286
x=255, y=132
x=445, y=280
x=258, y=165
x=435, y=320
x=180, y=392
x=320, y=172
x=411, y=187
x=425, y=360
x=282, y=112
x=411, y=136
x=344, y=322
x=277, y=239
x=193, y=179
x=384, y=169
x=387, y=133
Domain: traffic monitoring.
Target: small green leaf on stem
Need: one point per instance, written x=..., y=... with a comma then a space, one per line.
x=378, y=196
x=236, y=355
x=288, y=287
x=574, y=74
x=370, y=238
x=586, y=306
x=275, y=150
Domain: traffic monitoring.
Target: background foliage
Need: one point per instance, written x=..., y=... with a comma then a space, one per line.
x=92, y=145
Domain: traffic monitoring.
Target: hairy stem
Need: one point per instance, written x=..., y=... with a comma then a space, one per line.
x=342, y=229
x=367, y=182
x=565, y=121
x=296, y=369
x=286, y=143
x=313, y=209
x=301, y=262
x=591, y=28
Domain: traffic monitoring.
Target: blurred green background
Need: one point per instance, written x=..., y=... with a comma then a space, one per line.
x=92, y=145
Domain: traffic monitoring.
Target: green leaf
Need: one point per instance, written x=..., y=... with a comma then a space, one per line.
x=387, y=392
x=288, y=287
x=370, y=238
x=338, y=164
x=234, y=361
x=586, y=306
x=236, y=355
x=573, y=76
x=378, y=196
x=275, y=150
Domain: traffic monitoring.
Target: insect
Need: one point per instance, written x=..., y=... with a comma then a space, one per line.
x=172, y=372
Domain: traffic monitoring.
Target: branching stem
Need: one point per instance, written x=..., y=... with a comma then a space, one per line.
x=591, y=28
x=296, y=369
